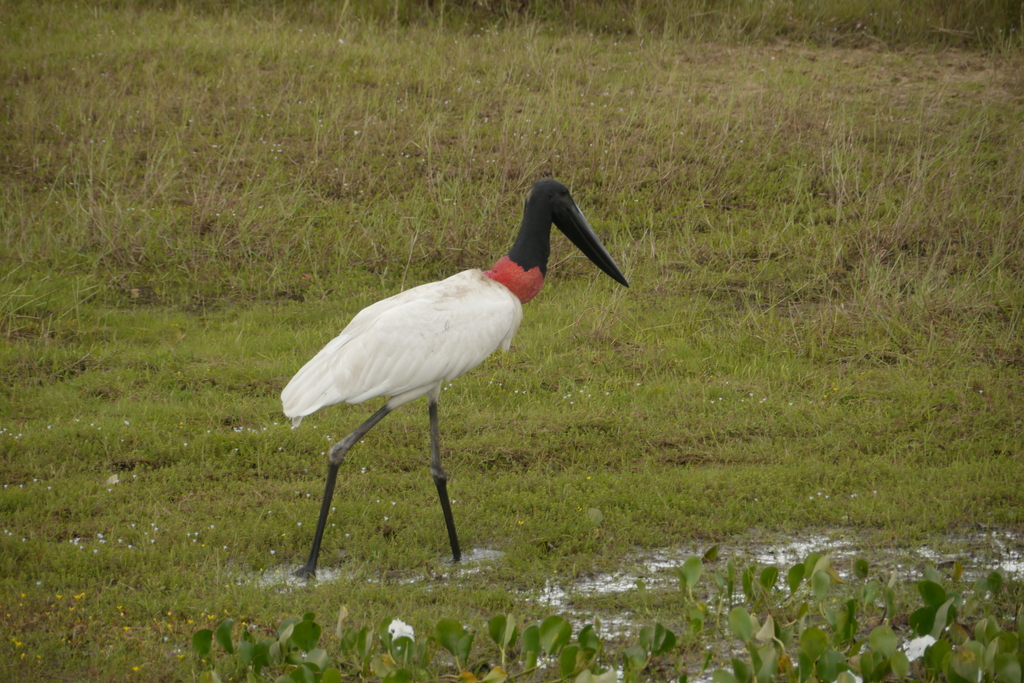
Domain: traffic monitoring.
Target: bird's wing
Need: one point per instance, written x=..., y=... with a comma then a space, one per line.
x=403, y=346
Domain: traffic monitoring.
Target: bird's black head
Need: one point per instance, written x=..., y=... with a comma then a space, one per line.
x=549, y=202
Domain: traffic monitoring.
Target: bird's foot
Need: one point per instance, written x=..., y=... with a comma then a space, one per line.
x=305, y=572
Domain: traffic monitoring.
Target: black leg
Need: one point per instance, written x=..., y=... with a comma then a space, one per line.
x=337, y=455
x=441, y=477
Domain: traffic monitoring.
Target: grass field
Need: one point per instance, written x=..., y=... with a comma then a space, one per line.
x=823, y=330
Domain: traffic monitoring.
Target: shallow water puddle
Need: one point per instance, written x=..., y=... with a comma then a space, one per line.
x=978, y=553
x=283, y=577
x=654, y=569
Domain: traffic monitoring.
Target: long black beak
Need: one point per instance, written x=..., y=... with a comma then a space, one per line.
x=569, y=219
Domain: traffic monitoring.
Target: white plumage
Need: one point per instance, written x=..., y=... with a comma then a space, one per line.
x=406, y=345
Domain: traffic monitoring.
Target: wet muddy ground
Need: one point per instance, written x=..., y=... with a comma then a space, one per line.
x=654, y=570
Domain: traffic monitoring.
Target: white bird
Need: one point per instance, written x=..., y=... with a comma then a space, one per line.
x=405, y=346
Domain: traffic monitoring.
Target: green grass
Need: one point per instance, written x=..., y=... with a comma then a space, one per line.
x=823, y=242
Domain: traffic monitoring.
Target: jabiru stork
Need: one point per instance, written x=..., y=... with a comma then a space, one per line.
x=405, y=346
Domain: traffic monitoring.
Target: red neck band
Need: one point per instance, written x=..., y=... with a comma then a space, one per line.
x=525, y=284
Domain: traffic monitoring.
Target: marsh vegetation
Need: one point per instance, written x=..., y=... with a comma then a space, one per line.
x=820, y=222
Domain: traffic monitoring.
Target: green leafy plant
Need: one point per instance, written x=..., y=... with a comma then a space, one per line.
x=363, y=653
x=832, y=647
x=294, y=652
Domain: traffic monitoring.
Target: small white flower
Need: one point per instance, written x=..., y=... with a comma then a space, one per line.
x=400, y=629
x=915, y=648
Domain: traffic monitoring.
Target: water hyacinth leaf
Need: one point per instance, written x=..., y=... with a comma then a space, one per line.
x=223, y=636
x=1008, y=669
x=244, y=650
x=723, y=676
x=463, y=649
x=531, y=639
x=944, y=616
x=502, y=630
x=786, y=668
x=900, y=664
x=747, y=581
x=830, y=664
x=530, y=645
x=448, y=633
x=985, y=630
x=1008, y=641
x=384, y=633
x=209, y=677
x=830, y=616
x=846, y=625
x=805, y=666
x=958, y=635
x=936, y=656
x=274, y=650
x=711, y=554
x=555, y=633
x=303, y=674
x=403, y=651
x=664, y=640
x=741, y=671
x=769, y=575
x=568, y=660
x=425, y=648
x=820, y=584
x=869, y=591
x=588, y=639
x=860, y=568
x=202, y=642
x=932, y=593
x=765, y=671
x=318, y=658
x=331, y=676
x=284, y=629
x=966, y=663
x=882, y=670
x=846, y=677
x=889, y=596
x=690, y=573
x=994, y=582
x=883, y=640
x=634, y=658
x=697, y=616
x=586, y=676
x=813, y=642
x=305, y=635
x=822, y=563
x=869, y=662
x=740, y=623
x=261, y=656
x=647, y=638
x=794, y=577
x=767, y=631
x=364, y=644
x=399, y=676
x=495, y=675
x=931, y=573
